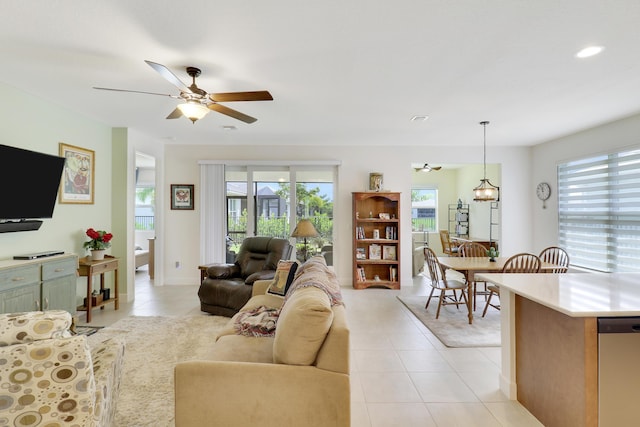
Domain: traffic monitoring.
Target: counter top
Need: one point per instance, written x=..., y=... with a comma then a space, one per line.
x=576, y=294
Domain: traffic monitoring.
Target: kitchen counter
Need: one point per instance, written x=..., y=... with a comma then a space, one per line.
x=549, y=334
x=577, y=294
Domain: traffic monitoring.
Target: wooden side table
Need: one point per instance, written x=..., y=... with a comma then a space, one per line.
x=203, y=271
x=89, y=268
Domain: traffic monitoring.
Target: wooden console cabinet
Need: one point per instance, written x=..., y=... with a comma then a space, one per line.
x=376, y=240
x=39, y=284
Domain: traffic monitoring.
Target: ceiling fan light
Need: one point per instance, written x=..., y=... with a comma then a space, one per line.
x=193, y=110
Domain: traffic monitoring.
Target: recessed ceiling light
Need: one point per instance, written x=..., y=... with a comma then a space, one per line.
x=229, y=127
x=419, y=118
x=589, y=51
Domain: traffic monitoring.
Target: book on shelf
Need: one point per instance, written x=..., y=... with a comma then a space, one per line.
x=389, y=252
x=359, y=232
x=361, y=253
x=361, y=276
x=375, y=251
x=391, y=233
x=393, y=274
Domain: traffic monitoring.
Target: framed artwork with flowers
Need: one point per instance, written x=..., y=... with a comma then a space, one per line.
x=182, y=196
x=78, y=175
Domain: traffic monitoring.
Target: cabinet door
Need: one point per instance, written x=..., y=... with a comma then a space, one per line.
x=23, y=298
x=60, y=294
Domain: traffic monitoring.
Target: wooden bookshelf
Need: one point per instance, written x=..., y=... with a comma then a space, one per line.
x=376, y=240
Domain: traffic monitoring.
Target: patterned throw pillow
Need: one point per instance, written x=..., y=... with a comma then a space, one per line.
x=285, y=272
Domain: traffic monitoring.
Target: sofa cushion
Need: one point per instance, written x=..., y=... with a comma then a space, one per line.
x=47, y=382
x=18, y=328
x=238, y=348
x=302, y=327
x=285, y=272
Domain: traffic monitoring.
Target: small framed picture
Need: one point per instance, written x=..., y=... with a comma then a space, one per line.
x=78, y=175
x=361, y=253
x=384, y=215
x=389, y=252
x=375, y=252
x=182, y=196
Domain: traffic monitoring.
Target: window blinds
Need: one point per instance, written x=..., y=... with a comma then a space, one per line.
x=599, y=211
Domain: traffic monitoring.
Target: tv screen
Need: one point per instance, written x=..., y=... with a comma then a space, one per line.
x=29, y=183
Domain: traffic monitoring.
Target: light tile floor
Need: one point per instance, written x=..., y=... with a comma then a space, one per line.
x=401, y=375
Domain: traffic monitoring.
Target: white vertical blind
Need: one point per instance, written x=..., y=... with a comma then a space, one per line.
x=213, y=214
x=599, y=211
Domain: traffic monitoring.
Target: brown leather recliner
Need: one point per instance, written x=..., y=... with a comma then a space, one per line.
x=227, y=287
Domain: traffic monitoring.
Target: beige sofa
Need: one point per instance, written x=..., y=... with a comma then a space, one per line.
x=50, y=377
x=297, y=377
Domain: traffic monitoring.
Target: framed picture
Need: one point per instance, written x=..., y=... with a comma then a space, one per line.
x=360, y=253
x=375, y=181
x=182, y=196
x=375, y=252
x=389, y=252
x=78, y=174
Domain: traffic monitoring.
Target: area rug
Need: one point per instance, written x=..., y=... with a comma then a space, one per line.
x=153, y=346
x=452, y=327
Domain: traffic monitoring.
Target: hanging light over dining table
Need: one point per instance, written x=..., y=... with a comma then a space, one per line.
x=486, y=192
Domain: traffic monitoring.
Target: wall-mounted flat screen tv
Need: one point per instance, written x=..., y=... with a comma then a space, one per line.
x=29, y=183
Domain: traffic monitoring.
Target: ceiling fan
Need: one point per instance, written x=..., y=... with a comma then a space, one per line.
x=197, y=102
x=427, y=168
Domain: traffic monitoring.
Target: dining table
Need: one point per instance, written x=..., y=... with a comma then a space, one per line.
x=470, y=266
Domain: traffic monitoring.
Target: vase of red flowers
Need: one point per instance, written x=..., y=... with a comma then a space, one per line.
x=100, y=241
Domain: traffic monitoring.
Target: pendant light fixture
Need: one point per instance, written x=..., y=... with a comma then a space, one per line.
x=486, y=192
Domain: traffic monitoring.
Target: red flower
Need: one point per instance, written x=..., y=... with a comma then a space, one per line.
x=99, y=239
x=93, y=234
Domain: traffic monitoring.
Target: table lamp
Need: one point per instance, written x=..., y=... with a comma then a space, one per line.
x=304, y=229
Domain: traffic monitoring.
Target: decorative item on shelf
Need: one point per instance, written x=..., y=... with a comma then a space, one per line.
x=375, y=181
x=100, y=241
x=486, y=192
x=492, y=253
x=459, y=203
x=304, y=229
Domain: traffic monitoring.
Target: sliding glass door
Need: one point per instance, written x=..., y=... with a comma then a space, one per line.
x=259, y=201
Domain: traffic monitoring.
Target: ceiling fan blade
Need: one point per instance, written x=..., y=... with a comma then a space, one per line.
x=136, y=91
x=175, y=114
x=261, y=95
x=436, y=168
x=232, y=113
x=169, y=76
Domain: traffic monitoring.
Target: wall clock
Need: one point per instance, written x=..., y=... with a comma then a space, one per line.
x=543, y=191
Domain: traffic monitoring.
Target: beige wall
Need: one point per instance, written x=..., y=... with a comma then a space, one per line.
x=181, y=166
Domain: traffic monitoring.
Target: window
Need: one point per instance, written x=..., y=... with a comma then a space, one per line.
x=599, y=211
x=424, y=205
x=145, y=199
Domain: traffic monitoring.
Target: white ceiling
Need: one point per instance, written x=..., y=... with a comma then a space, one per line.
x=341, y=72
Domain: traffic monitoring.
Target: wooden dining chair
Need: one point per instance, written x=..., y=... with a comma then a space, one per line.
x=557, y=256
x=474, y=249
x=440, y=282
x=519, y=263
x=448, y=247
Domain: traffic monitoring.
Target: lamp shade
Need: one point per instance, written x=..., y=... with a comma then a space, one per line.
x=193, y=110
x=304, y=228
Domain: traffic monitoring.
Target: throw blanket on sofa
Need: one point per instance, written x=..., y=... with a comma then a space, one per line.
x=259, y=322
x=315, y=273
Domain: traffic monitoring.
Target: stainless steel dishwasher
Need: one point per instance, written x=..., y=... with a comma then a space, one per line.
x=619, y=372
